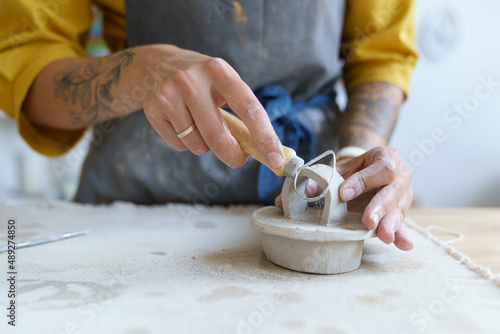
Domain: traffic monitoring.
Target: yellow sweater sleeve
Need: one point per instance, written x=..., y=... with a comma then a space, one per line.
x=34, y=34
x=378, y=42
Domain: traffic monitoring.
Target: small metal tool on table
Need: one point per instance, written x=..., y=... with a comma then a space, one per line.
x=46, y=240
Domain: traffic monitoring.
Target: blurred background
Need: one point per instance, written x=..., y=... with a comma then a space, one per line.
x=447, y=134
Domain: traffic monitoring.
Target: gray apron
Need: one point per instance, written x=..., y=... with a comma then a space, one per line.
x=291, y=43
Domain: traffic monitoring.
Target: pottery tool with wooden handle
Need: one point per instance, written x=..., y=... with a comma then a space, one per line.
x=240, y=131
x=326, y=240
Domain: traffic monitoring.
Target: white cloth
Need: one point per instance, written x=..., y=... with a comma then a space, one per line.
x=185, y=269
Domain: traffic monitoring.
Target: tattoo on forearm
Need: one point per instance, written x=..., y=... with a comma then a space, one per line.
x=88, y=88
x=371, y=115
x=375, y=115
x=354, y=137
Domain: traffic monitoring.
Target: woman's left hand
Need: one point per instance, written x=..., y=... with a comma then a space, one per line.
x=376, y=183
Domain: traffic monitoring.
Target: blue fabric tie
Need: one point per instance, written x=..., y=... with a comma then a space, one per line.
x=282, y=112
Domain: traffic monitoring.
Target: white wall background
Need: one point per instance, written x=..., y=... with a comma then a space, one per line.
x=458, y=44
x=26, y=176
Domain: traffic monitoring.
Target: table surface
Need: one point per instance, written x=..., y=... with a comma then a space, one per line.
x=480, y=226
x=142, y=268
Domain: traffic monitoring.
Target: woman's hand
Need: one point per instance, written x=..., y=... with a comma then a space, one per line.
x=190, y=89
x=176, y=88
x=377, y=184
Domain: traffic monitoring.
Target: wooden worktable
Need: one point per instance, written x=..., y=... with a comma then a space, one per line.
x=141, y=268
x=481, y=227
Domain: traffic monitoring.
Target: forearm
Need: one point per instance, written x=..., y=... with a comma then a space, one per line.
x=371, y=114
x=75, y=93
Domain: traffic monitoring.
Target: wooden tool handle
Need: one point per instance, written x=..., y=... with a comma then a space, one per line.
x=240, y=131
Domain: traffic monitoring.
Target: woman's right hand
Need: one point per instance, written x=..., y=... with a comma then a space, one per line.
x=189, y=88
x=176, y=88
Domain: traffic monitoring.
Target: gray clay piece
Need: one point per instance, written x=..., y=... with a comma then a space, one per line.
x=326, y=240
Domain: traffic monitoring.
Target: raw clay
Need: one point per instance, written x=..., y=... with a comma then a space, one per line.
x=321, y=241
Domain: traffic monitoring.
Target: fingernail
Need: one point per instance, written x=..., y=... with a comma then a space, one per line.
x=375, y=218
x=275, y=159
x=278, y=202
x=393, y=230
x=348, y=194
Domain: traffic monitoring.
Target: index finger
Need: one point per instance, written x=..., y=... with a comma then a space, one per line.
x=380, y=173
x=243, y=102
